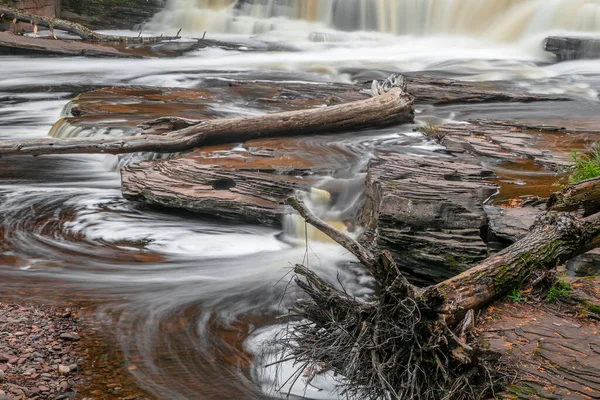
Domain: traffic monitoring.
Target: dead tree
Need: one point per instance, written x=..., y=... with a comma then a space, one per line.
x=389, y=105
x=410, y=342
x=76, y=29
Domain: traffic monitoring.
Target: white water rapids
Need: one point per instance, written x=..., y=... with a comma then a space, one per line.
x=506, y=20
x=66, y=231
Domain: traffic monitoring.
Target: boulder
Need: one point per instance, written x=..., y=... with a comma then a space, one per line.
x=573, y=48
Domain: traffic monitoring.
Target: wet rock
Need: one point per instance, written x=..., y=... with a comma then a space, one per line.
x=70, y=336
x=1, y=375
x=573, y=48
x=436, y=90
x=63, y=369
x=554, y=351
x=512, y=224
x=428, y=213
x=504, y=140
x=249, y=186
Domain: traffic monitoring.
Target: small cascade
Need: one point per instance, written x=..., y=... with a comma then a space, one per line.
x=341, y=212
x=506, y=20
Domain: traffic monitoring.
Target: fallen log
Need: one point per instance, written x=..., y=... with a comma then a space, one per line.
x=17, y=44
x=76, y=29
x=555, y=239
x=411, y=343
x=391, y=105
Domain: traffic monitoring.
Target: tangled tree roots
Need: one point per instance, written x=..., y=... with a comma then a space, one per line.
x=388, y=348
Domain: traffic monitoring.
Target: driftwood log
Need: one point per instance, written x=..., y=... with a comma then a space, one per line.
x=17, y=44
x=390, y=105
x=74, y=28
x=409, y=342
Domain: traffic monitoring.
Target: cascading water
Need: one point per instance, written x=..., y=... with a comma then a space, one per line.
x=496, y=19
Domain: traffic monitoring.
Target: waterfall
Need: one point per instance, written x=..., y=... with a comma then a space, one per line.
x=497, y=19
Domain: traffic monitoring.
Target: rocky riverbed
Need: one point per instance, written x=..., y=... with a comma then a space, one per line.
x=39, y=353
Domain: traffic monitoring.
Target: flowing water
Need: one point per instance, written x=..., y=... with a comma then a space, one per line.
x=191, y=300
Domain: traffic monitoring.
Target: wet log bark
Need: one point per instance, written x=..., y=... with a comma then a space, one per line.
x=385, y=109
x=583, y=195
x=76, y=29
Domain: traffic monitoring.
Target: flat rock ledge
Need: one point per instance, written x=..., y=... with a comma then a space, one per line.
x=553, y=346
x=250, y=186
x=39, y=353
x=428, y=212
x=547, y=145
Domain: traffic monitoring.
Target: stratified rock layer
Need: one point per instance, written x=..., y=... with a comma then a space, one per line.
x=573, y=48
x=428, y=213
x=249, y=186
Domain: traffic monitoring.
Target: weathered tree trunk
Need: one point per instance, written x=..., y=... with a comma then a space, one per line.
x=391, y=106
x=17, y=44
x=74, y=28
x=585, y=195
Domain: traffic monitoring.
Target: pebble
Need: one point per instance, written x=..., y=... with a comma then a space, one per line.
x=63, y=369
x=4, y=357
x=70, y=336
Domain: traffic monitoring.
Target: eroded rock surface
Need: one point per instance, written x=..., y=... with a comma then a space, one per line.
x=573, y=48
x=250, y=185
x=547, y=145
x=554, y=352
x=428, y=213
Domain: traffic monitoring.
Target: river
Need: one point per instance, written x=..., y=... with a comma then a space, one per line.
x=190, y=300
